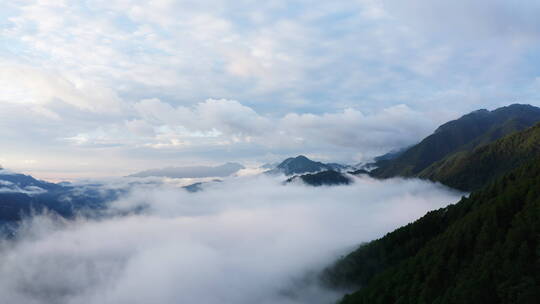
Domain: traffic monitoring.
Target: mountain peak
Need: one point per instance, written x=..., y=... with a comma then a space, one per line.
x=480, y=111
x=297, y=159
x=519, y=105
x=517, y=108
x=300, y=165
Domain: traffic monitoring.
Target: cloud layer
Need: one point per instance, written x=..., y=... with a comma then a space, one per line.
x=243, y=241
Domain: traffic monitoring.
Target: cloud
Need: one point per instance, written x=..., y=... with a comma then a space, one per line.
x=228, y=116
x=27, y=85
x=392, y=127
x=471, y=20
x=11, y=188
x=193, y=171
x=248, y=240
x=314, y=54
x=229, y=122
x=147, y=74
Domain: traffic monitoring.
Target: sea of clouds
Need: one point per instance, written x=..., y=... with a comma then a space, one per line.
x=244, y=240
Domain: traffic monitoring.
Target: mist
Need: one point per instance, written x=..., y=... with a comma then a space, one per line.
x=245, y=240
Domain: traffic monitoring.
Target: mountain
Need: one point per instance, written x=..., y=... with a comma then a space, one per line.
x=22, y=195
x=484, y=249
x=470, y=170
x=359, y=172
x=16, y=182
x=391, y=155
x=192, y=171
x=195, y=187
x=464, y=134
x=339, y=167
x=302, y=165
x=199, y=186
x=327, y=178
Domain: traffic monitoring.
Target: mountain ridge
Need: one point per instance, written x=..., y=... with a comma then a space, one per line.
x=469, y=170
x=465, y=133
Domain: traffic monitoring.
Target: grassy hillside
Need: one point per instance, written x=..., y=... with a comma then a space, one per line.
x=484, y=249
x=470, y=170
x=464, y=134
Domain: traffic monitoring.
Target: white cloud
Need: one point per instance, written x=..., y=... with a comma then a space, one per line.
x=335, y=136
x=392, y=127
x=138, y=71
x=468, y=20
x=247, y=240
x=251, y=50
x=27, y=85
x=225, y=115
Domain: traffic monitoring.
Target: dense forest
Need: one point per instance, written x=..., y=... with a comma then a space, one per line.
x=470, y=170
x=484, y=249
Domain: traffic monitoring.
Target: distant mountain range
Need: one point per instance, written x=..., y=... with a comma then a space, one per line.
x=192, y=171
x=22, y=195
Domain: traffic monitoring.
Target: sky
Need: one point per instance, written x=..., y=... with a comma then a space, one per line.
x=107, y=88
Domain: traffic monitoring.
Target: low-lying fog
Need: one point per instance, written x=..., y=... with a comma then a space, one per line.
x=245, y=240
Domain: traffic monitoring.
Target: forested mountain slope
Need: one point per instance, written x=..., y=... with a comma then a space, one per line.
x=484, y=249
x=464, y=134
x=470, y=170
